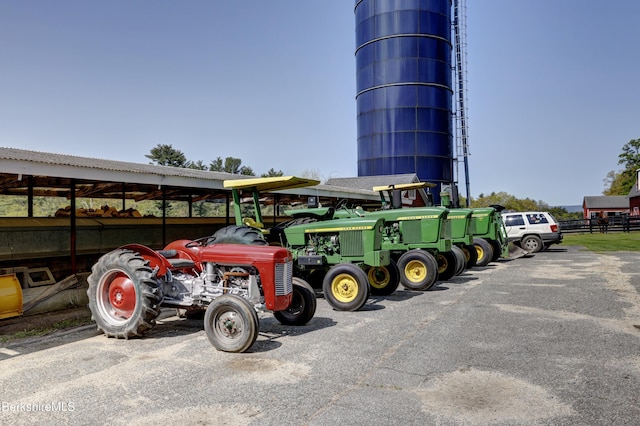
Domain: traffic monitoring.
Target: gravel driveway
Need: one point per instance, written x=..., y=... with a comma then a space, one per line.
x=544, y=340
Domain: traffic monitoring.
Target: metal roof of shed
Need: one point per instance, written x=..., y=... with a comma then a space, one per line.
x=52, y=175
x=606, y=201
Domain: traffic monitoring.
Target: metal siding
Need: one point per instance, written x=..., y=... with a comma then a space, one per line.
x=404, y=89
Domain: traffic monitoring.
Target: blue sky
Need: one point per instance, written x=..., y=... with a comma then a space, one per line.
x=552, y=85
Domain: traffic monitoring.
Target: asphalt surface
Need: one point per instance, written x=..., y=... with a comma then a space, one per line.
x=547, y=340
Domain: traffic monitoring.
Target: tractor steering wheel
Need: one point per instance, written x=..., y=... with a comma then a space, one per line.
x=342, y=204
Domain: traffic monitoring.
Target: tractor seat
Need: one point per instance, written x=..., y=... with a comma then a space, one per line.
x=249, y=221
x=176, y=262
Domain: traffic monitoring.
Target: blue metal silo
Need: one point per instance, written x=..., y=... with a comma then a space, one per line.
x=404, y=89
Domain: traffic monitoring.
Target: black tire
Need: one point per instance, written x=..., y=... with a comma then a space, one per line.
x=531, y=243
x=277, y=234
x=234, y=234
x=123, y=293
x=461, y=261
x=302, y=307
x=484, y=250
x=231, y=323
x=418, y=270
x=470, y=255
x=383, y=280
x=447, y=265
x=497, y=250
x=345, y=287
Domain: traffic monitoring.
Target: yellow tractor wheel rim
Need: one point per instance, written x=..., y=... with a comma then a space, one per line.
x=415, y=271
x=480, y=252
x=443, y=264
x=344, y=288
x=378, y=277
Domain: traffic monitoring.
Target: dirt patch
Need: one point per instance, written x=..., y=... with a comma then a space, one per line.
x=470, y=395
x=269, y=370
x=31, y=323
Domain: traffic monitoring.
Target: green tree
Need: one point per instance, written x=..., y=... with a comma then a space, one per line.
x=166, y=155
x=630, y=155
x=618, y=183
x=247, y=171
x=198, y=165
x=230, y=165
x=508, y=201
x=272, y=173
x=560, y=213
x=621, y=182
x=216, y=165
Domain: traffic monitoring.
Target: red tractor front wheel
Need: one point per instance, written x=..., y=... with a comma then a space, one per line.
x=231, y=323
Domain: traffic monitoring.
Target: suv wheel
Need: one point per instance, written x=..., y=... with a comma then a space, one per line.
x=531, y=243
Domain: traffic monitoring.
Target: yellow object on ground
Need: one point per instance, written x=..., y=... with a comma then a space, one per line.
x=10, y=296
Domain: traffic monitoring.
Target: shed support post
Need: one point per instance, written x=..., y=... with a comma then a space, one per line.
x=72, y=225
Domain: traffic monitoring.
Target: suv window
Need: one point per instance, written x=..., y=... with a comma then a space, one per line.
x=514, y=220
x=536, y=218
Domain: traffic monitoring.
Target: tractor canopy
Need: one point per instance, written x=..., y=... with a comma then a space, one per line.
x=257, y=185
x=270, y=183
x=390, y=195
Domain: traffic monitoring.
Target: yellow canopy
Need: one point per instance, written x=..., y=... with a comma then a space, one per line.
x=404, y=186
x=270, y=183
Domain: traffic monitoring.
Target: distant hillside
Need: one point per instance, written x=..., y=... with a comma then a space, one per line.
x=572, y=209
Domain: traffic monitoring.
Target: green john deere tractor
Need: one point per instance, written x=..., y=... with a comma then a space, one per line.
x=490, y=236
x=341, y=257
x=462, y=227
x=486, y=230
x=461, y=255
x=418, y=239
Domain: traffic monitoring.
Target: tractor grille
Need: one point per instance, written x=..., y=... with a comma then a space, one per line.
x=411, y=231
x=283, y=278
x=351, y=243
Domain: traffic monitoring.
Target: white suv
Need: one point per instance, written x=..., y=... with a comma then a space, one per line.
x=532, y=231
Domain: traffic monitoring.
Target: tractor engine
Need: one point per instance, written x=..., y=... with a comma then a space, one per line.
x=392, y=233
x=323, y=244
x=181, y=289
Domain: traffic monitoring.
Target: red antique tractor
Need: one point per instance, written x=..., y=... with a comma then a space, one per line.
x=230, y=282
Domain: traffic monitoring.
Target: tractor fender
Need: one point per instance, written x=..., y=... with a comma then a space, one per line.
x=155, y=259
x=185, y=249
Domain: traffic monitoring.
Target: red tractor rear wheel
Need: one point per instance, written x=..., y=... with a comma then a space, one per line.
x=124, y=297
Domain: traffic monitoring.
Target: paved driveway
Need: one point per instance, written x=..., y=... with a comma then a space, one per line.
x=551, y=339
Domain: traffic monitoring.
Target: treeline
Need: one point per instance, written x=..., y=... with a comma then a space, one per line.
x=522, y=205
x=167, y=155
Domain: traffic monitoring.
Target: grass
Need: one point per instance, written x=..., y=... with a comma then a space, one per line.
x=614, y=241
x=42, y=331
